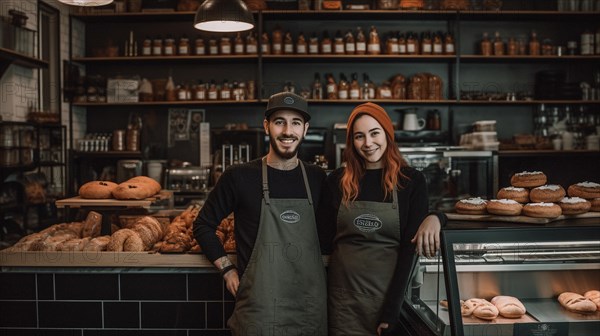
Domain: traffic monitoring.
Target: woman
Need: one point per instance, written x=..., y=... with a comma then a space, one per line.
x=375, y=207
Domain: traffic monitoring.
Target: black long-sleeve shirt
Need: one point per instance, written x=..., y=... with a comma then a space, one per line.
x=412, y=207
x=239, y=190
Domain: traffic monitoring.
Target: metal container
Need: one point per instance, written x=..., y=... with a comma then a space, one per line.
x=133, y=140
x=118, y=140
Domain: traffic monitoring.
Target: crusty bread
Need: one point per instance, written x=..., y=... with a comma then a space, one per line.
x=97, y=189
x=125, y=240
x=509, y=306
x=92, y=225
x=576, y=303
x=594, y=296
x=97, y=244
x=480, y=308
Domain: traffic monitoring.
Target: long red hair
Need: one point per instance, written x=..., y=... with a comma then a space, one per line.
x=355, y=168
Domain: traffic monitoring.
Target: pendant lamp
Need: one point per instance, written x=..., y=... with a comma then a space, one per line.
x=223, y=16
x=86, y=3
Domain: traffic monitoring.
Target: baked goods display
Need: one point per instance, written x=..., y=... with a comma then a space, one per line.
x=520, y=195
x=587, y=190
x=504, y=207
x=528, y=179
x=594, y=296
x=178, y=236
x=542, y=210
x=574, y=205
x=471, y=206
x=595, y=202
x=509, y=306
x=97, y=190
x=548, y=193
x=225, y=233
x=576, y=303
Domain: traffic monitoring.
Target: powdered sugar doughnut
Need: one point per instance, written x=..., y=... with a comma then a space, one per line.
x=528, y=179
x=574, y=205
x=471, y=206
x=504, y=207
x=520, y=195
x=548, y=193
x=586, y=190
x=542, y=210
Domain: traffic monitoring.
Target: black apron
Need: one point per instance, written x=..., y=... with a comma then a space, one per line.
x=283, y=290
x=362, y=265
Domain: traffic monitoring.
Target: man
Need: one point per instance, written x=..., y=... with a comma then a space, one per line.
x=283, y=288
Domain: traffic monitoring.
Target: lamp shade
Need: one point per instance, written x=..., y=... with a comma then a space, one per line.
x=86, y=3
x=223, y=16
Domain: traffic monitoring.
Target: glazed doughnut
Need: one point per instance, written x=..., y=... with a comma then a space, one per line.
x=97, y=190
x=471, y=206
x=585, y=190
x=574, y=205
x=504, y=207
x=528, y=179
x=520, y=195
x=595, y=204
x=548, y=193
x=542, y=210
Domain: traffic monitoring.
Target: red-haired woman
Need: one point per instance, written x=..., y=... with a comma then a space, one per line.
x=376, y=212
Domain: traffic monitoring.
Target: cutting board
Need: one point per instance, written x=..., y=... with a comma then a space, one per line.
x=517, y=219
x=77, y=201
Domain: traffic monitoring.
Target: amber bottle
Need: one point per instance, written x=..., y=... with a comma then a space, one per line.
x=486, y=45
x=332, y=89
x=301, y=45
x=498, y=45
x=350, y=45
x=534, y=45
x=326, y=45
x=361, y=42
x=374, y=46
x=343, y=87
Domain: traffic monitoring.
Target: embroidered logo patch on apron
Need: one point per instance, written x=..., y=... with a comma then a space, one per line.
x=290, y=216
x=367, y=223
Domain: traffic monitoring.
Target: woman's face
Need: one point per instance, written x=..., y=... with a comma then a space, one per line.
x=369, y=141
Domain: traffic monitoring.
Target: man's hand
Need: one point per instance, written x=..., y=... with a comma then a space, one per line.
x=232, y=281
x=381, y=327
x=427, y=238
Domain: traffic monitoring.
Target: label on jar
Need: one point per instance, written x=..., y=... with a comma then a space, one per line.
x=313, y=49
x=339, y=48
x=301, y=48
x=265, y=48
x=146, y=51
x=288, y=48
x=343, y=94
x=239, y=48
x=213, y=50
x=183, y=50
x=200, y=50
x=168, y=50
x=276, y=48
x=427, y=48
x=350, y=48
x=200, y=95
x=355, y=94
x=361, y=46
x=156, y=50
x=386, y=93
x=212, y=95
x=374, y=48
x=371, y=93
x=450, y=48
x=326, y=48
x=251, y=48
x=181, y=95
x=394, y=48
x=437, y=49
x=411, y=47
x=402, y=48
x=225, y=49
x=330, y=88
x=225, y=94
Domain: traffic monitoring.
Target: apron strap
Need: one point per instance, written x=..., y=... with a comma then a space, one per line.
x=265, y=182
x=306, y=185
x=395, y=198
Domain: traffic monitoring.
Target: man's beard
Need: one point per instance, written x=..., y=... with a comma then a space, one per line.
x=284, y=155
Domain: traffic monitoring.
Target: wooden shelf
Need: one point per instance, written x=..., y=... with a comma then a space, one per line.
x=163, y=58
x=177, y=102
x=137, y=16
x=109, y=154
x=8, y=57
x=526, y=102
x=381, y=101
x=528, y=58
x=382, y=57
x=546, y=152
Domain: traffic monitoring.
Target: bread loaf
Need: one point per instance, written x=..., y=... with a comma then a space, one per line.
x=594, y=296
x=479, y=308
x=508, y=306
x=97, y=244
x=97, y=189
x=125, y=240
x=576, y=303
x=92, y=225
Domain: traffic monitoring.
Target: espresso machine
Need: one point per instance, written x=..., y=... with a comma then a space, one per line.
x=190, y=184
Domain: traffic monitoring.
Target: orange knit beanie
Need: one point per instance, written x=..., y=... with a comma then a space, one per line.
x=374, y=111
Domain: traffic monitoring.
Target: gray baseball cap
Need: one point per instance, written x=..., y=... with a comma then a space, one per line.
x=287, y=101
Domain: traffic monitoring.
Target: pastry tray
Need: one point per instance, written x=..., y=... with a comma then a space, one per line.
x=77, y=201
x=518, y=219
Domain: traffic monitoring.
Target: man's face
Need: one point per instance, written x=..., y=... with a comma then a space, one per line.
x=286, y=130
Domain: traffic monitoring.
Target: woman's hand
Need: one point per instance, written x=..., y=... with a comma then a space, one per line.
x=427, y=237
x=381, y=327
x=232, y=281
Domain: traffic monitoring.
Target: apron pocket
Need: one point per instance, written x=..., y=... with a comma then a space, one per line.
x=352, y=313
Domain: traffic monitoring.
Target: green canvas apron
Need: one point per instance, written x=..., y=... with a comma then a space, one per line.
x=283, y=290
x=362, y=266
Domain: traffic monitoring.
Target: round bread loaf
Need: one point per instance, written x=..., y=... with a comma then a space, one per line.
x=471, y=206
x=152, y=184
x=520, y=195
x=574, y=205
x=97, y=190
x=586, y=190
x=542, y=210
x=595, y=204
x=548, y=193
x=504, y=207
x=528, y=179
x=135, y=191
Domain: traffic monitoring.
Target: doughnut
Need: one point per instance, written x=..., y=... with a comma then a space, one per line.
x=585, y=190
x=595, y=204
x=520, y=195
x=528, y=179
x=471, y=206
x=548, y=193
x=97, y=190
x=574, y=205
x=504, y=207
x=542, y=210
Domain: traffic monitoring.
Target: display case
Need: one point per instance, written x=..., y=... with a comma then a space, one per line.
x=533, y=264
